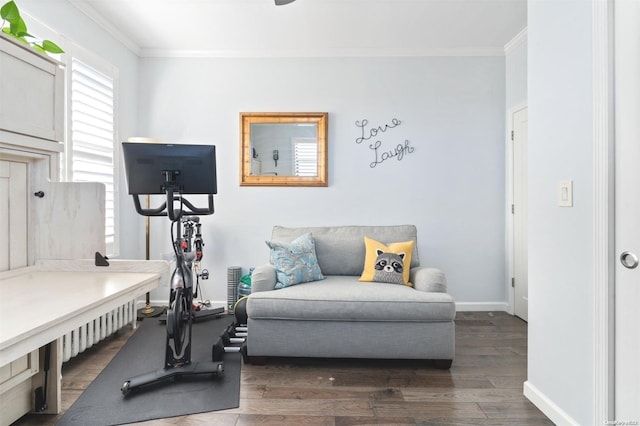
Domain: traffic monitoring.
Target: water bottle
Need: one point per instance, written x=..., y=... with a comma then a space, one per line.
x=244, y=287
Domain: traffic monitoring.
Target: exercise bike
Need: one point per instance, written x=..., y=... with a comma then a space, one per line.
x=181, y=312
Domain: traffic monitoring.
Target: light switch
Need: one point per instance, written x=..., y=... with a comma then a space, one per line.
x=565, y=193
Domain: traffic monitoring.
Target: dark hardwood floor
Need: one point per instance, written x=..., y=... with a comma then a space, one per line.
x=483, y=387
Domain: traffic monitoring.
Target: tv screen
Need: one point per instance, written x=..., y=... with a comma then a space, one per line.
x=193, y=167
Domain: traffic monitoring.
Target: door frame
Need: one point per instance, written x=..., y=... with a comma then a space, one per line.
x=627, y=106
x=603, y=212
x=509, y=198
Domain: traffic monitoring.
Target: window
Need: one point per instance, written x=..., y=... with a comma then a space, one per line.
x=91, y=133
x=305, y=157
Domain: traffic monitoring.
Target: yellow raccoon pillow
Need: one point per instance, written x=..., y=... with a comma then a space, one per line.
x=387, y=263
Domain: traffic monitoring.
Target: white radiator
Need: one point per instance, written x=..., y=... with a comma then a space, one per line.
x=79, y=339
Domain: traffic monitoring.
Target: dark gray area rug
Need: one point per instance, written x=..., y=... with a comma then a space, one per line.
x=102, y=403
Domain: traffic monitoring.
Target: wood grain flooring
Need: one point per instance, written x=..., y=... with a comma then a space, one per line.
x=483, y=387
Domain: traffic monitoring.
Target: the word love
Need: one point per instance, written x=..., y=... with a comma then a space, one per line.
x=366, y=134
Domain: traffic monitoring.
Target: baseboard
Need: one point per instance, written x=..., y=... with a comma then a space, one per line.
x=482, y=306
x=548, y=407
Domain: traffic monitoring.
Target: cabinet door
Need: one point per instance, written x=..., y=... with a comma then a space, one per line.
x=15, y=387
x=13, y=215
x=31, y=93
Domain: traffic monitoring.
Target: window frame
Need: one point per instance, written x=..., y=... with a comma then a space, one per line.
x=75, y=51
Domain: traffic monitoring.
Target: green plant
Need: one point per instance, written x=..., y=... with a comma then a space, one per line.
x=18, y=29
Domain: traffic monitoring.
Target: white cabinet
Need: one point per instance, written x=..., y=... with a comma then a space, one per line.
x=13, y=220
x=256, y=167
x=15, y=387
x=31, y=94
x=31, y=135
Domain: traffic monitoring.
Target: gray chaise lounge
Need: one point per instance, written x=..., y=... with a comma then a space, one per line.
x=341, y=317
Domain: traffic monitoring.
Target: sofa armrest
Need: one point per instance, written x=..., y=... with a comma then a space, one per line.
x=263, y=278
x=428, y=279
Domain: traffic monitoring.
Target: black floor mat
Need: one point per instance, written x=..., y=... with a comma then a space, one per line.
x=102, y=403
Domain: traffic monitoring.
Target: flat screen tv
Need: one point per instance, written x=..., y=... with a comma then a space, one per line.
x=192, y=168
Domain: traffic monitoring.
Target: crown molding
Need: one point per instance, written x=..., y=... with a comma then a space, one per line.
x=319, y=53
x=88, y=10
x=516, y=42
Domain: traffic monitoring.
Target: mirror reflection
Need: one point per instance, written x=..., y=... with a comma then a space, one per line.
x=283, y=149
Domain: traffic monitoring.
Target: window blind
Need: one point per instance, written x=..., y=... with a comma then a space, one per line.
x=92, y=137
x=305, y=158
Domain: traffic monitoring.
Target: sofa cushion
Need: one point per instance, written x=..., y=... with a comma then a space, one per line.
x=295, y=262
x=343, y=298
x=340, y=249
x=387, y=263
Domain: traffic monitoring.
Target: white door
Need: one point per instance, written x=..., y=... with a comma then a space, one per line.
x=13, y=215
x=627, y=210
x=519, y=209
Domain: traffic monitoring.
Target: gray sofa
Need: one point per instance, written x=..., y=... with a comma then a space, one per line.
x=341, y=317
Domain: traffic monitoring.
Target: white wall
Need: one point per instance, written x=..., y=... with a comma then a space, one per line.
x=451, y=186
x=560, y=364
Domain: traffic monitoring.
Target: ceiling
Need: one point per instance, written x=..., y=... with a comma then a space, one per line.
x=258, y=28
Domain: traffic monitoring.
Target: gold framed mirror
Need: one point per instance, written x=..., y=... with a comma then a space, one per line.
x=283, y=148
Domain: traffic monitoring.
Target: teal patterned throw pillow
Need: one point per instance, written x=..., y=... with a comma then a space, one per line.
x=295, y=262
